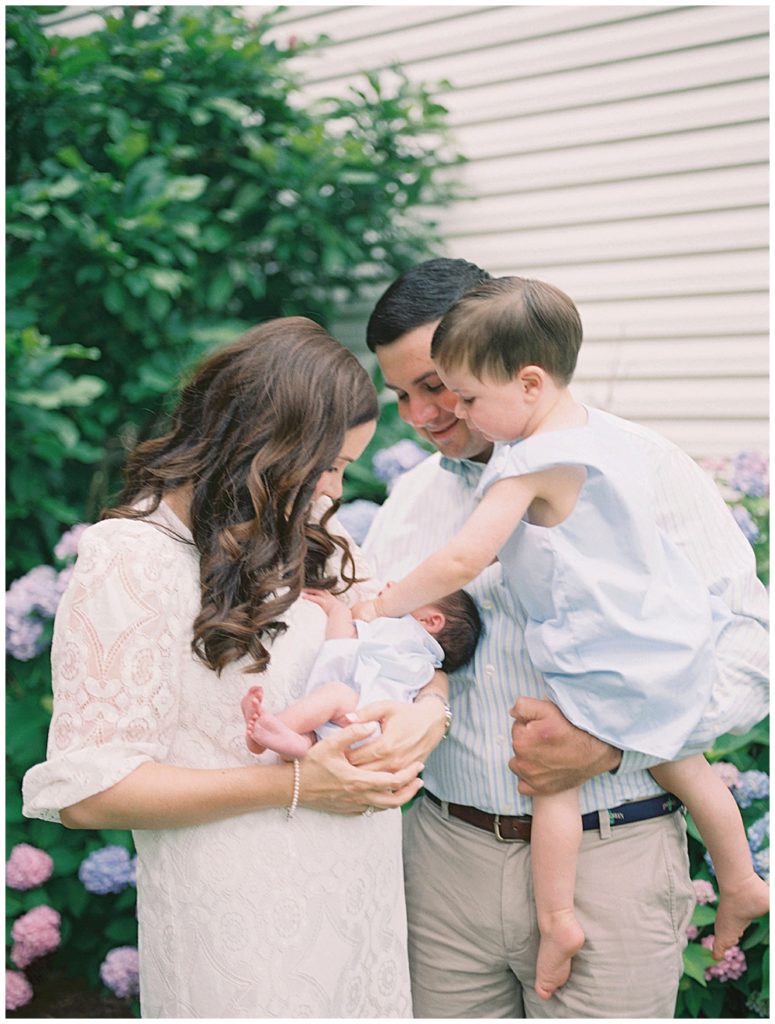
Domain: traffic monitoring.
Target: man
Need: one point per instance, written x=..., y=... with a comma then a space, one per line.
x=472, y=929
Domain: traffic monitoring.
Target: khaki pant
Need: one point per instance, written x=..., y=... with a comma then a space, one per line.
x=473, y=933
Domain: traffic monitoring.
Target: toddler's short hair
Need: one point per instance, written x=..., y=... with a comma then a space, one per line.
x=461, y=631
x=506, y=324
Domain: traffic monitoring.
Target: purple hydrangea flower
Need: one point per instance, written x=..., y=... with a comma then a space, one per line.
x=745, y=521
x=67, y=545
x=759, y=832
x=29, y=601
x=752, y=785
x=27, y=867
x=703, y=891
x=733, y=965
x=356, y=517
x=35, y=934
x=727, y=772
x=761, y=863
x=120, y=971
x=18, y=991
x=391, y=462
x=751, y=474
x=107, y=870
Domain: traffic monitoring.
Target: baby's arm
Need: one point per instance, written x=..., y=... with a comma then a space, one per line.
x=469, y=552
x=340, y=620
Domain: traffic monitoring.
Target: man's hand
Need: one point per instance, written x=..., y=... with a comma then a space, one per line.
x=550, y=754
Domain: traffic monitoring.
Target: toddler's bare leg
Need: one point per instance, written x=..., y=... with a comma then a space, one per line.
x=743, y=896
x=554, y=846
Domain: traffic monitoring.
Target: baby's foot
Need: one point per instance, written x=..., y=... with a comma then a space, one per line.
x=560, y=940
x=268, y=732
x=736, y=909
x=251, y=705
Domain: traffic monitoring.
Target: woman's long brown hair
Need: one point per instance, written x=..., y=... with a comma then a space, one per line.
x=253, y=430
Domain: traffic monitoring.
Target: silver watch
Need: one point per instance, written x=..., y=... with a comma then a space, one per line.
x=445, y=705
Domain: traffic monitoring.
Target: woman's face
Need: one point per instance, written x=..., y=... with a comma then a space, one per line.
x=355, y=440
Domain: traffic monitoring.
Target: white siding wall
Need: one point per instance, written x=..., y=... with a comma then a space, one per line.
x=618, y=152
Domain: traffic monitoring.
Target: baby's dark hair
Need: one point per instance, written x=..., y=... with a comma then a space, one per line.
x=461, y=631
x=507, y=323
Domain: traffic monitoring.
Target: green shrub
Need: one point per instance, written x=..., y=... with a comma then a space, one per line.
x=166, y=190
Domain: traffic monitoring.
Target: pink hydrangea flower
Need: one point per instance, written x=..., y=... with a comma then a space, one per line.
x=27, y=867
x=120, y=971
x=727, y=772
x=35, y=934
x=692, y=932
x=732, y=967
x=704, y=891
x=18, y=990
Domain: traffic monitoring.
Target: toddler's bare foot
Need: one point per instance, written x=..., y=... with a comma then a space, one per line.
x=560, y=940
x=737, y=907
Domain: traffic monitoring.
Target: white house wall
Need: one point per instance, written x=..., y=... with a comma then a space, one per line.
x=619, y=152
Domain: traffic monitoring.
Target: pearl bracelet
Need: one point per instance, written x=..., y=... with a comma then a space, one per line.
x=296, y=788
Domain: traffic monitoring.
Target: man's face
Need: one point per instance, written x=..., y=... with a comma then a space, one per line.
x=423, y=400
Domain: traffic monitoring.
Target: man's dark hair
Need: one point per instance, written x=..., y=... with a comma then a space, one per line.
x=420, y=296
x=461, y=631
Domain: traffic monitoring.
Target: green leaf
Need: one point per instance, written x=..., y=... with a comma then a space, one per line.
x=186, y=190
x=122, y=931
x=80, y=391
x=696, y=960
x=703, y=915
x=64, y=188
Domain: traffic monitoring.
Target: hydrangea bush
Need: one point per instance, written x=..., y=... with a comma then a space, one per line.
x=71, y=894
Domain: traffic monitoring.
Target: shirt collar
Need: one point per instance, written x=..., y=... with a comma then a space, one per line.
x=469, y=470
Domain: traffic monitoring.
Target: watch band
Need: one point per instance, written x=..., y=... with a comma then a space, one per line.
x=447, y=709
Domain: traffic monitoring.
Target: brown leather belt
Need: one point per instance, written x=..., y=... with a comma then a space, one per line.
x=507, y=828
x=510, y=829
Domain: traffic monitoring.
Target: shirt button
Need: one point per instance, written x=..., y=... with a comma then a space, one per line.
x=490, y=670
x=487, y=605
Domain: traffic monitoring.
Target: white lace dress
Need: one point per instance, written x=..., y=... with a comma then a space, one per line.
x=254, y=916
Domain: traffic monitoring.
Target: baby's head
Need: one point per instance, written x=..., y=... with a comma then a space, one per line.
x=506, y=324
x=455, y=624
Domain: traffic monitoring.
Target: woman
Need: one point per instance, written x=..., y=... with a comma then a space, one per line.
x=184, y=594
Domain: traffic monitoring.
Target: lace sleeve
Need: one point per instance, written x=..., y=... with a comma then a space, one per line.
x=119, y=633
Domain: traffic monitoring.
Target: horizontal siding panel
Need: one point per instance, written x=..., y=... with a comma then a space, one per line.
x=723, y=230
x=652, y=116
x=723, y=273
x=710, y=398
x=661, y=358
x=672, y=72
x=621, y=160
x=346, y=23
x=680, y=193
x=487, y=28
x=706, y=316
x=516, y=42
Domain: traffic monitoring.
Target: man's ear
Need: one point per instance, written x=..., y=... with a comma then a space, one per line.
x=432, y=620
x=533, y=379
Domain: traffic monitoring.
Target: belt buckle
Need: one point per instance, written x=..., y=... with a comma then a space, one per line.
x=496, y=827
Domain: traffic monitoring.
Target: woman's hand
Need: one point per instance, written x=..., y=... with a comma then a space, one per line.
x=409, y=734
x=330, y=782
